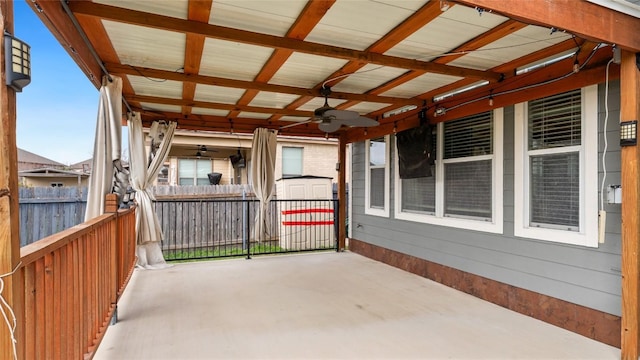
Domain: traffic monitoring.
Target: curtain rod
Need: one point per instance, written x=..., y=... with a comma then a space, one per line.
x=84, y=37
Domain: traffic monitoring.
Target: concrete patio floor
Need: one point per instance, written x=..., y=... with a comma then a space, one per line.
x=321, y=306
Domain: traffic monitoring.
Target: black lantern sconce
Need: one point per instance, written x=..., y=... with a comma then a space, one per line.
x=628, y=133
x=17, y=62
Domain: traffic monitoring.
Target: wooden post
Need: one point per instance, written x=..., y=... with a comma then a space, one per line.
x=111, y=203
x=630, y=158
x=342, y=192
x=9, y=220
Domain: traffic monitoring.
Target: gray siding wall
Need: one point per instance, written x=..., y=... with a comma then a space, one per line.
x=582, y=275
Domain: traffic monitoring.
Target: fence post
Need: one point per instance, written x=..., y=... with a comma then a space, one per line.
x=111, y=206
x=245, y=224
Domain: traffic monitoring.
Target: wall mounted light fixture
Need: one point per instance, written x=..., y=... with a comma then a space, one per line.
x=628, y=133
x=17, y=62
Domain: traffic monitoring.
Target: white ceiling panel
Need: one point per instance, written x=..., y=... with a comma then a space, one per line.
x=367, y=78
x=318, y=102
x=304, y=70
x=232, y=60
x=205, y=111
x=453, y=28
x=176, y=8
x=267, y=17
x=252, y=115
x=272, y=100
x=140, y=46
x=356, y=24
x=511, y=47
x=421, y=85
x=218, y=94
x=161, y=107
x=155, y=87
x=367, y=107
x=411, y=5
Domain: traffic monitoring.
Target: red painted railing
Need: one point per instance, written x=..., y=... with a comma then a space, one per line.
x=72, y=281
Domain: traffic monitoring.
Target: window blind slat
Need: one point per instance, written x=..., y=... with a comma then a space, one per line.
x=555, y=189
x=468, y=189
x=469, y=136
x=555, y=121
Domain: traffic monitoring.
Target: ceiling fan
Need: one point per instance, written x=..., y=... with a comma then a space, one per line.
x=330, y=119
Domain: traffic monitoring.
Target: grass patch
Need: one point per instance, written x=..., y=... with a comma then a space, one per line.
x=219, y=252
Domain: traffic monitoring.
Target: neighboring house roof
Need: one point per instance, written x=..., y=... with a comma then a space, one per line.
x=51, y=172
x=84, y=166
x=25, y=156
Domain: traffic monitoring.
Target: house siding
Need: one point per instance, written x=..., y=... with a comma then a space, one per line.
x=585, y=276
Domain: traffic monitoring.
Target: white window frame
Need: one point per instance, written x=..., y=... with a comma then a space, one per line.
x=495, y=225
x=587, y=234
x=367, y=177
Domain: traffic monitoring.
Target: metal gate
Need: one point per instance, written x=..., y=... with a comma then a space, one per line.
x=218, y=228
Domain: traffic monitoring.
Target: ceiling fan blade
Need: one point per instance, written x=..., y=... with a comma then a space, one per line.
x=295, y=124
x=342, y=114
x=329, y=127
x=360, y=121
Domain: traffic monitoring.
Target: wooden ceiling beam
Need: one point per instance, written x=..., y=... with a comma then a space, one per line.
x=83, y=8
x=115, y=68
x=509, y=68
x=506, y=28
x=413, y=23
x=420, y=18
x=199, y=10
x=239, y=125
x=57, y=21
x=583, y=18
x=217, y=106
x=310, y=16
x=96, y=34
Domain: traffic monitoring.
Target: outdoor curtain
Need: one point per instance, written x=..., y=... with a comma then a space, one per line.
x=107, y=146
x=263, y=164
x=144, y=169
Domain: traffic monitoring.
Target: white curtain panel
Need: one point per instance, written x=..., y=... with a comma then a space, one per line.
x=107, y=145
x=263, y=165
x=143, y=174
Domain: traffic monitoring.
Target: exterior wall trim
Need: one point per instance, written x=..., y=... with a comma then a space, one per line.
x=594, y=324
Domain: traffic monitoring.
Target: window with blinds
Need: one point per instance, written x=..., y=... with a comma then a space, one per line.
x=193, y=171
x=377, y=172
x=468, y=166
x=554, y=135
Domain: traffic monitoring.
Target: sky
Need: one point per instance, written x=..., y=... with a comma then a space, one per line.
x=57, y=111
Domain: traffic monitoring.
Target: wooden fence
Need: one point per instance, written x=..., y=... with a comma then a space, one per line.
x=45, y=211
x=72, y=281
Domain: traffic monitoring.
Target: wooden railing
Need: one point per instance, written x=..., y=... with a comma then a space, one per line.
x=72, y=281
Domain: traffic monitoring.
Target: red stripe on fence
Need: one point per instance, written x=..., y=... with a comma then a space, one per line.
x=307, y=211
x=306, y=223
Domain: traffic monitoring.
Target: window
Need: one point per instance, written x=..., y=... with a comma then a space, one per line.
x=193, y=171
x=376, y=176
x=291, y=161
x=53, y=184
x=556, y=170
x=465, y=190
